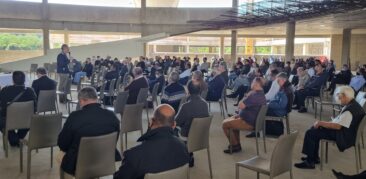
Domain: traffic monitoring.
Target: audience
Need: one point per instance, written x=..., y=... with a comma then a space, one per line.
x=15, y=93
x=311, y=88
x=198, y=79
x=303, y=78
x=134, y=87
x=174, y=92
x=159, y=78
x=342, y=129
x=249, y=109
x=160, y=150
x=43, y=82
x=358, y=81
x=91, y=120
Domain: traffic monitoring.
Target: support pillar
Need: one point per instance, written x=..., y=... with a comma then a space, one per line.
x=346, y=47
x=46, y=40
x=45, y=27
x=290, y=40
x=66, y=37
x=222, y=46
x=234, y=35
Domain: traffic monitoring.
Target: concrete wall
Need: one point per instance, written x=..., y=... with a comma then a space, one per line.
x=358, y=52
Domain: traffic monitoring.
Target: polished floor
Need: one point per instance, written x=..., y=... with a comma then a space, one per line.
x=223, y=164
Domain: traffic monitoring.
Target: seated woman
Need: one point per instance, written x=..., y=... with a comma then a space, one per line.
x=341, y=129
x=174, y=92
x=249, y=109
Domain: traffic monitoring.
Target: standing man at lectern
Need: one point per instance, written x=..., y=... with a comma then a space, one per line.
x=63, y=60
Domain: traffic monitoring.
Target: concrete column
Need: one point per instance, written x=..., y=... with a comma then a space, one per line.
x=66, y=37
x=143, y=18
x=45, y=27
x=234, y=35
x=346, y=47
x=222, y=46
x=235, y=3
x=290, y=40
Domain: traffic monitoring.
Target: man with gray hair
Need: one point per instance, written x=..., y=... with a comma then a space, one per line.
x=91, y=120
x=341, y=129
x=134, y=87
x=174, y=92
x=160, y=150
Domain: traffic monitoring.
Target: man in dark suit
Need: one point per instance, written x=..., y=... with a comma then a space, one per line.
x=63, y=60
x=159, y=150
x=159, y=79
x=43, y=82
x=91, y=120
x=8, y=95
x=311, y=88
x=134, y=87
x=215, y=87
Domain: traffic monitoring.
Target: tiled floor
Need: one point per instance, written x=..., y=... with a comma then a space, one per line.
x=223, y=164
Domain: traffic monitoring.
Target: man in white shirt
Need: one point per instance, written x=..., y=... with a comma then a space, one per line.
x=342, y=129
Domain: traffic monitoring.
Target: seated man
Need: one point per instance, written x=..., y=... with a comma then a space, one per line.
x=110, y=75
x=195, y=107
x=43, y=82
x=134, y=87
x=271, y=87
x=249, y=109
x=15, y=93
x=88, y=68
x=91, y=120
x=184, y=76
x=343, y=77
x=342, y=129
x=159, y=150
x=174, y=92
x=277, y=107
x=340, y=175
x=358, y=81
x=159, y=79
x=311, y=88
x=215, y=86
x=303, y=78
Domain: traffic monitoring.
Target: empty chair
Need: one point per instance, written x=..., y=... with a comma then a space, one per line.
x=280, y=162
x=131, y=120
x=95, y=157
x=259, y=126
x=357, y=147
x=118, y=84
x=102, y=92
x=40, y=125
x=47, y=101
x=142, y=98
x=111, y=91
x=33, y=69
x=18, y=115
x=198, y=137
x=177, y=173
x=119, y=104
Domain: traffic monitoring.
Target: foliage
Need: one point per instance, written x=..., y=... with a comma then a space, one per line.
x=263, y=50
x=9, y=41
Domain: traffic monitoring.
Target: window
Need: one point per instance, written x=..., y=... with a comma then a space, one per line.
x=109, y=3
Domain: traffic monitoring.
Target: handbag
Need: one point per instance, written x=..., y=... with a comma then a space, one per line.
x=274, y=128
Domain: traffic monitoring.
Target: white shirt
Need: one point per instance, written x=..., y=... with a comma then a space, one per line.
x=275, y=88
x=186, y=73
x=311, y=72
x=344, y=119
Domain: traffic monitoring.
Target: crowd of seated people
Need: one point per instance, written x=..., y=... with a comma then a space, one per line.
x=255, y=83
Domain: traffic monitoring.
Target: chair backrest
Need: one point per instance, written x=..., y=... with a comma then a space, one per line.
x=92, y=79
x=125, y=79
x=44, y=130
x=142, y=96
x=360, y=96
x=177, y=173
x=132, y=117
x=68, y=86
x=96, y=156
x=102, y=90
x=363, y=103
x=198, y=136
x=33, y=68
x=261, y=117
x=111, y=87
x=281, y=159
x=118, y=84
x=154, y=92
x=47, y=66
x=360, y=129
x=120, y=102
x=18, y=115
x=46, y=101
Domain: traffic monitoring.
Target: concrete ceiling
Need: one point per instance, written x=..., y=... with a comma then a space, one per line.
x=326, y=25
x=158, y=3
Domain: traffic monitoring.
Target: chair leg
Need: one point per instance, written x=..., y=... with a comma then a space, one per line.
x=121, y=137
x=321, y=154
x=357, y=160
x=264, y=142
x=362, y=140
x=257, y=175
x=291, y=174
x=6, y=144
x=288, y=125
x=236, y=171
x=126, y=140
x=315, y=110
x=326, y=152
x=21, y=156
x=321, y=111
x=51, y=157
x=231, y=149
x=209, y=106
x=28, y=163
x=209, y=161
x=256, y=143
x=359, y=156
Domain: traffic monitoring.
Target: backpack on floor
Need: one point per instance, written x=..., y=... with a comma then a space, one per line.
x=274, y=128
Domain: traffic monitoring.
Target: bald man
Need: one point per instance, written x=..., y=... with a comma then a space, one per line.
x=160, y=150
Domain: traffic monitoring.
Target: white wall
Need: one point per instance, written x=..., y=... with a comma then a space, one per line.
x=119, y=49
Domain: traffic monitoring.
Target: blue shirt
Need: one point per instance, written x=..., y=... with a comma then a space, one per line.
x=253, y=103
x=357, y=82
